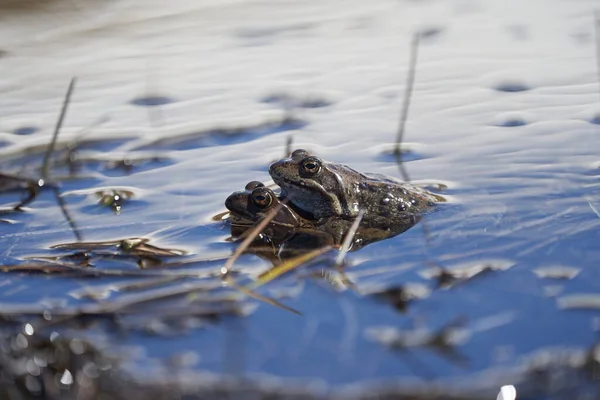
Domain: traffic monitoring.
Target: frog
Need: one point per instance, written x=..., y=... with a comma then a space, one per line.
x=251, y=205
x=326, y=189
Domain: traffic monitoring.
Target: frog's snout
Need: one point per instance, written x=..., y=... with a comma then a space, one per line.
x=233, y=201
x=275, y=167
x=229, y=203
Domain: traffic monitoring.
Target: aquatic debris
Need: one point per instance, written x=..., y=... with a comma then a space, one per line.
x=130, y=246
x=222, y=216
x=79, y=259
x=43, y=267
x=114, y=198
x=260, y=297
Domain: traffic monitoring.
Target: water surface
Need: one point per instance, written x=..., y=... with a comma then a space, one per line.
x=204, y=95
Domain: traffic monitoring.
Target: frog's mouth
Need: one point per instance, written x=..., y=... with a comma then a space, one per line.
x=239, y=219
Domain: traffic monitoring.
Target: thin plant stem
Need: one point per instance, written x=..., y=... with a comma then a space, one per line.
x=410, y=80
x=63, y=113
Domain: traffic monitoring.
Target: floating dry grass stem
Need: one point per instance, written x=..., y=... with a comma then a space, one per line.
x=63, y=209
x=281, y=269
x=221, y=216
x=258, y=296
x=348, y=239
x=130, y=246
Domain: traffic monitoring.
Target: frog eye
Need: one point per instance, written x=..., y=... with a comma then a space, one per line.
x=312, y=165
x=262, y=198
x=253, y=185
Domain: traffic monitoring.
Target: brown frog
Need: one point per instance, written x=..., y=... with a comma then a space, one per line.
x=250, y=206
x=327, y=189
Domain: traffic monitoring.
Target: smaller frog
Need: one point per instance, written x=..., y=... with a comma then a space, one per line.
x=327, y=189
x=251, y=205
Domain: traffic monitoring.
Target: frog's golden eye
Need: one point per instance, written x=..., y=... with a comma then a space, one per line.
x=262, y=198
x=253, y=185
x=311, y=165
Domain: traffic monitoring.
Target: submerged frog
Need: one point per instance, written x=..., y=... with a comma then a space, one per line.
x=250, y=206
x=327, y=189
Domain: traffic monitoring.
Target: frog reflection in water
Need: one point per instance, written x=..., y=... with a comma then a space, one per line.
x=327, y=189
x=292, y=227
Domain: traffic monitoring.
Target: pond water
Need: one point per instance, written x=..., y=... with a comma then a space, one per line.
x=200, y=97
